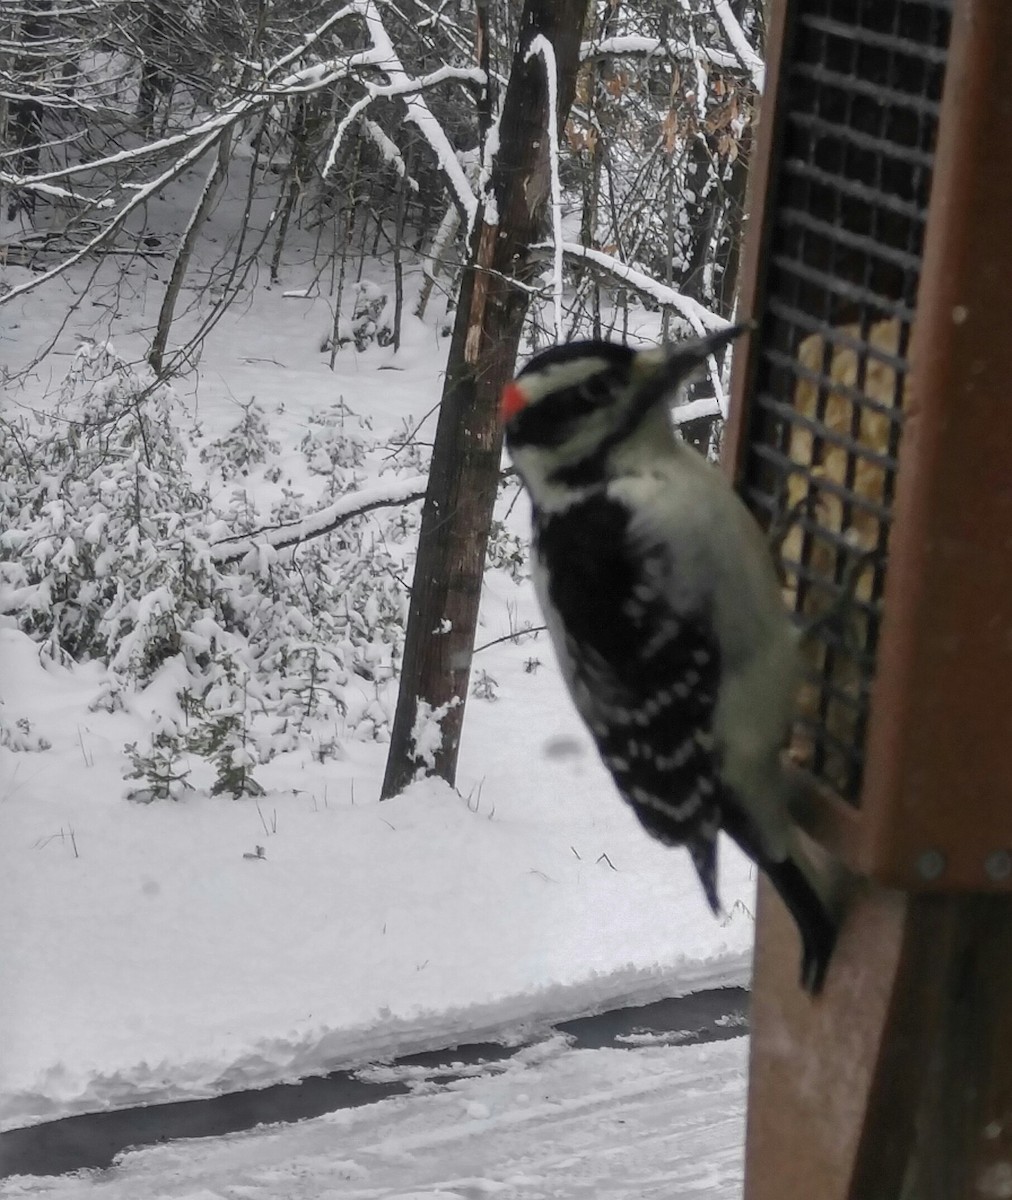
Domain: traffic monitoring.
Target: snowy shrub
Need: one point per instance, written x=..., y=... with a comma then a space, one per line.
x=337, y=617
x=483, y=687
x=100, y=555
x=246, y=443
x=408, y=450
x=223, y=739
x=334, y=446
x=160, y=766
x=372, y=318
x=20, y=735
x=109, y=698
x=107, y=554
x=506, y=550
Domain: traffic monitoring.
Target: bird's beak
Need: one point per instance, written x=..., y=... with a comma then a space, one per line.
x=674, y=363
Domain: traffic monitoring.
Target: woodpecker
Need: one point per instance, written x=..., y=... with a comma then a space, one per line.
x=664, y=609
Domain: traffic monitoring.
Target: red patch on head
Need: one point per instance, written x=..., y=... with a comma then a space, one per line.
x=512, y=400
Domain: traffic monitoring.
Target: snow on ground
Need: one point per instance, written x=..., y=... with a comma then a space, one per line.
x=657, y=1123
x=148, y=959
x=152, y=953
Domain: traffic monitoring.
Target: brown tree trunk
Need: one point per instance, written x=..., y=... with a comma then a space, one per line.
x=466, y=453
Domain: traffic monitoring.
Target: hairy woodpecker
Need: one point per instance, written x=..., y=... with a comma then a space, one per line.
x=660, y=594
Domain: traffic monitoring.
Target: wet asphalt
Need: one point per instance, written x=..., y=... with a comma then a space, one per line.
x=94, y=1140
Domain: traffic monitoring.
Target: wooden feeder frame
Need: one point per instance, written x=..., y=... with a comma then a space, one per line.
x=897, y=1082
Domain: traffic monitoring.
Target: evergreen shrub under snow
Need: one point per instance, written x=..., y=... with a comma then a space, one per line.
x=106, y=554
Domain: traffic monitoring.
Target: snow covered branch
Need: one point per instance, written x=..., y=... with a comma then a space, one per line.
x=633, y=46
x=312, y=77
x=385, y=58
x=470, y=76
x=696, y=410
x=405, y=88
x=700, y=318
x=140, y=196
x=117, y=182
x=281, y=537
x=390, y=151
x=736, y=36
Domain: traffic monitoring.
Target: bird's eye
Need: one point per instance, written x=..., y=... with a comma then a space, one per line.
x=584, y=399
x=595, y=392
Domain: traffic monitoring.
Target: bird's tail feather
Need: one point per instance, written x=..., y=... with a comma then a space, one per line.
x=704, y=858
x=816, y=924
x=803, y=891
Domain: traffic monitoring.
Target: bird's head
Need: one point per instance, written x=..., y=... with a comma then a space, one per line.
x=573, y=406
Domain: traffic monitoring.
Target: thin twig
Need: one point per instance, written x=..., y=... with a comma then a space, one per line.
x=515, y=636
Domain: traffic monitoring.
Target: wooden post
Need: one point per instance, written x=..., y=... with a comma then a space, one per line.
x=897, y=1083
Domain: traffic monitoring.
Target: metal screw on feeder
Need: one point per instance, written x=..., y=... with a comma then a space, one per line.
x=998, y=865
x=931, y=865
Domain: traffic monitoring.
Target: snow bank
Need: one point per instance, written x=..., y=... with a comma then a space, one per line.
x=150, y=956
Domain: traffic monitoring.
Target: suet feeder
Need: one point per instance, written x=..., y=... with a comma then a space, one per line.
x=871, y=433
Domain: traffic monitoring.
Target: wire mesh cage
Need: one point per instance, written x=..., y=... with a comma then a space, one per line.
x=847, y=200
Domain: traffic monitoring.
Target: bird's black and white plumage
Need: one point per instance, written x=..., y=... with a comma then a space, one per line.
x=665, y=611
